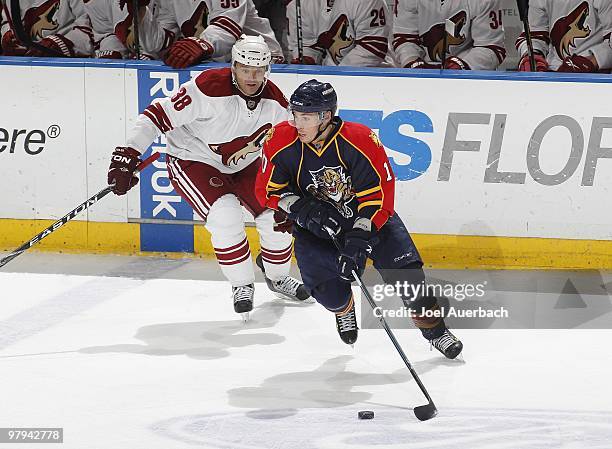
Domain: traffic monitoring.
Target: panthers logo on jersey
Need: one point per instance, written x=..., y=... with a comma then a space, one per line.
x=331, y=184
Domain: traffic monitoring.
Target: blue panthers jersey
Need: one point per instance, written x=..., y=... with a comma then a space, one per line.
x=350, y=171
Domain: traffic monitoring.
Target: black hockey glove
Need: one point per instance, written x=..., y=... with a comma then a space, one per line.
x=354, y=254
x=315, y=216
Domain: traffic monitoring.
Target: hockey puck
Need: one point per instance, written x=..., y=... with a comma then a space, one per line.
x=365, y=414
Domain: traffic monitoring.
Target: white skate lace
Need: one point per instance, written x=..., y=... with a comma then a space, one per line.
x=287, y=285
x=243, y=293
x=444, y=341
x=347, y=321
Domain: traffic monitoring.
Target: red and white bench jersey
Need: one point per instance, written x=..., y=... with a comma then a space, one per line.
x=315, y=15
x=562, y=28
x=100, y=13
x=211, y=121
x=342, y=32
x=219, y=22
x=478, y=40
x=63, y=18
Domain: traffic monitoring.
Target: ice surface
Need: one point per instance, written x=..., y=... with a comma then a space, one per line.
x=148, y=353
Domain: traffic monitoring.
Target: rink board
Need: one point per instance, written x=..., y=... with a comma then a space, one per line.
x=493, y=169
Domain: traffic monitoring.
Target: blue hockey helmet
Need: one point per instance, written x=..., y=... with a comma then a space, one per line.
x=314, y=96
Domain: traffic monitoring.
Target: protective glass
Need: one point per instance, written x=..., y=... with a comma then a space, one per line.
x=305, y=119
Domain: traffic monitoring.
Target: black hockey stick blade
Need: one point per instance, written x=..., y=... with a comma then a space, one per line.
x=425, y=412
x=523, y=8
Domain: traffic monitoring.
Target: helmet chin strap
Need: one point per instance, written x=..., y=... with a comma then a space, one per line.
x=321, y=131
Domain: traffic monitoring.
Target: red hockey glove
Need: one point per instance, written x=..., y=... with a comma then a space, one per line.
x=354, y=254
x=282, y=222
x=420, y=64
x=577, y=64
x=540, y=60
x=11, y=46
x=455, y=63
x=59, y=44
x=278, y=59
x=187, y=52
x=109, y=54
x=121, y=171
x=308, y=60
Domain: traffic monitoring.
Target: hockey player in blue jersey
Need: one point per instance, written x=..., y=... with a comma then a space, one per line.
x=325, y=173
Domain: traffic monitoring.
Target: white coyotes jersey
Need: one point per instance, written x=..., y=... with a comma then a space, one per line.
x=64, y=18
x=478, y=38
x=562, y=28
x=210, y=121
x=219, y=22
x=315, y=15
x=342, y=32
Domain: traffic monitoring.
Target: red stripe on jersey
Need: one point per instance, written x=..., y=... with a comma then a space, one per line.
x=158, y=116
x=535, y=35
x=372, y=197
x=500, y=52
x=376, y=45
x=401, y=39
x=228, y=25
x=87, y=30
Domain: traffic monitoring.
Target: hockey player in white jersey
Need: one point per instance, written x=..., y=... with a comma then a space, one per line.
x=113, y=25
x=208, y=29
x=182, y=32
x=568, y=36
x=62, y=26
x=474, y=42
x=342, y=32
x=215, y=126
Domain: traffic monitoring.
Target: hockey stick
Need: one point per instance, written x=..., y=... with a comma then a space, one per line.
x=300, y=40
x=136, y=28
x=523, y=7
x=25, y=38
x=70, y=215
x=450, y=29
x=422, y=412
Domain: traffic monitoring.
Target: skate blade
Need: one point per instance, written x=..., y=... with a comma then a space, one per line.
x=245, y=317
x=291, y=299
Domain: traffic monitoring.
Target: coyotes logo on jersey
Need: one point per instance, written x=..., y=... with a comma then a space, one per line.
x=125, y=29
x=198, y=22
x=331, y=184
x=567, y=29
x=239, y=148
x=42, y=18
x=336, y=38
x=433, y=39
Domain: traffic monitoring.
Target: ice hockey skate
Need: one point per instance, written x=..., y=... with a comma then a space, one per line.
x=286, y=287
x=346, y=324
x=449, y=345
x=243, y=300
